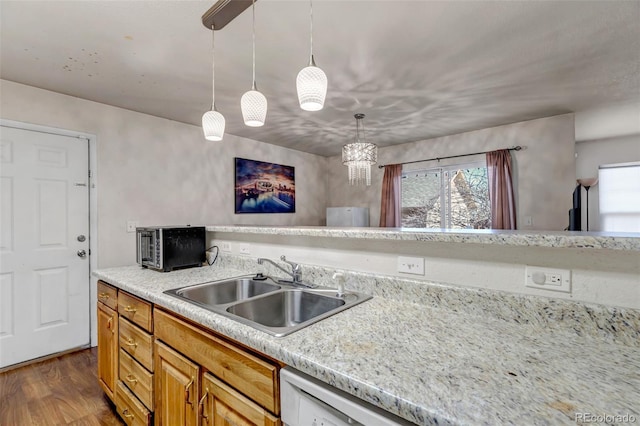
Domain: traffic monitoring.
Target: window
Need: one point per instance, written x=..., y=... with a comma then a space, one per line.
x=620, y=197
x=455, y=197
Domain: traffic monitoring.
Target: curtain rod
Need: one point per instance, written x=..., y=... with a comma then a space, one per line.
x=513, y=148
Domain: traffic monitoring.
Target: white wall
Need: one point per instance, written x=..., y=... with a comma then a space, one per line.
x=605, y=135
x=545, y=169
x=592, y=154
x=605, y=277
x=606, y=122
x=157, y=171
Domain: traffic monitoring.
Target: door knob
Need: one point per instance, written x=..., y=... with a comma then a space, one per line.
x=81, y=238
x=82, y=253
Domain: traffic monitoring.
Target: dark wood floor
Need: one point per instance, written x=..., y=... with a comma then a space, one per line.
x=59, y=391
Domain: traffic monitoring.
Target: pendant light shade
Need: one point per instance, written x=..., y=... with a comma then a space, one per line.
x=359, y=156
x=254, y=108
x=312, y=87
x=213, y=125
x=254, y=103
x=311, y=82
x=212, y=121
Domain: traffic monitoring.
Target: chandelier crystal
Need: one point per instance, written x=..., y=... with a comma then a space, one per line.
x=359, y=156
x=212, y=121
x=254, y=103
x=311, y=82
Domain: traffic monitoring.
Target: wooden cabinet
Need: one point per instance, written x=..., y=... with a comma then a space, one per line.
x=130, y=409
x=136, y=310
x=255, y=377
x=107, y=341
x=237, y=387
x=177, y=383
x=220, y=404
x=183, y=374
x=125, y=353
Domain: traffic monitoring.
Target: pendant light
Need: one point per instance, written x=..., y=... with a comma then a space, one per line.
x=253, y=103
x=359, y=156
x=312, y=81
x=212, y=121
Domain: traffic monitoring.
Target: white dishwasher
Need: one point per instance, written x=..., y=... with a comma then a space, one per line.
x=306, y=401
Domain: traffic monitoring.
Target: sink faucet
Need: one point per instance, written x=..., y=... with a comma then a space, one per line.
x=296, y=269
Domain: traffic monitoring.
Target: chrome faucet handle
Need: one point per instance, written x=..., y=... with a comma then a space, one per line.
x=295, y=266
x=340, y=279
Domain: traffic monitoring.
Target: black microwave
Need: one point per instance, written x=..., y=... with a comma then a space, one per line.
x=166, y=248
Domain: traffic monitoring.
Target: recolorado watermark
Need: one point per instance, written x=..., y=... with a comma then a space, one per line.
x=605, y=418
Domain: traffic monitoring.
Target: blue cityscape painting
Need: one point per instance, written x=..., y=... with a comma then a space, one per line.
x=262, y=187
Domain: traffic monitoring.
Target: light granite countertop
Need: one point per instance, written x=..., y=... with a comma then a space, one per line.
x=557, y=239
x=428, y=364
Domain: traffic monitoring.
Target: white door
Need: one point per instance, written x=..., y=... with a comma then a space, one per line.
x=44, y=230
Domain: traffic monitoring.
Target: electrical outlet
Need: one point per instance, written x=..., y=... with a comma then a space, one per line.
x=132, y=225
x=245, y=249
x=411, y=265
x=548, y=278
x=225, y=247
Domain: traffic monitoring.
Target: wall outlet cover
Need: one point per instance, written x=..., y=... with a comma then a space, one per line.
x=411, y=265
x=245, y=249
x=225, y=247
x=548, y=278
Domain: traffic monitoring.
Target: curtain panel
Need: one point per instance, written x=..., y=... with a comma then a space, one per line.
x=501, y=198
x=390, y=207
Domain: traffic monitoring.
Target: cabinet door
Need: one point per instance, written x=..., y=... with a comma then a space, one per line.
x=107, y=349
x=176, y=388
x=221, y=405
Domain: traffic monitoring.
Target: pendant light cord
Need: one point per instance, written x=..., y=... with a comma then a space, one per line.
x=253, y=7
x=213, y=69
x=311, y=27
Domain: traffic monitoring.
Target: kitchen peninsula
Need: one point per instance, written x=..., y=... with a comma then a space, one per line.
x=439, y=353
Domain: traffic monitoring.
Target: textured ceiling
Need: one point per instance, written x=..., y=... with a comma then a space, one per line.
x=417, y=69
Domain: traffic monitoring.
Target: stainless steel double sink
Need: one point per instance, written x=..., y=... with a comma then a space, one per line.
x=268, y=304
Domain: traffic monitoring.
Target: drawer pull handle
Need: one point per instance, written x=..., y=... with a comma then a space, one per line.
x=109, y=322
x=103, y=295
x=131, y=379
x=131, y=342
x=125, y=413
x=201, y=406
x=187, y=392
x=130, y=309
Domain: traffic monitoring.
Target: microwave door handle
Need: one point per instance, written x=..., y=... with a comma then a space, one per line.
x=139, y=252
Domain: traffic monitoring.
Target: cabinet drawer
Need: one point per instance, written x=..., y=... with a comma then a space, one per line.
x=252, y=376
x=136, y=343
x=130, y=409
x=136, y=378
x=135, y=310
x=108, y=295
x=228, y=406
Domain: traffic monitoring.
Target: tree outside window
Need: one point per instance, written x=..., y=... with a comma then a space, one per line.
x=454, y=197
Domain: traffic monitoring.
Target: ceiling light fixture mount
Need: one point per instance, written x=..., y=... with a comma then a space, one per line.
x=359, y=156
x=254, y=103
x=212, y=121
x=223, y=12
x=311, y=82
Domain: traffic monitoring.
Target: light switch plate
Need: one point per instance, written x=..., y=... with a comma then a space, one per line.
x=411, y=265
x=132, y=225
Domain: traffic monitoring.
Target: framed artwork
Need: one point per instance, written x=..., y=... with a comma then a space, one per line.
x=262, y=187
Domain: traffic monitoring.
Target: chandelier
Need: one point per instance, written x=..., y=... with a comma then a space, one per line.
x=359, y=156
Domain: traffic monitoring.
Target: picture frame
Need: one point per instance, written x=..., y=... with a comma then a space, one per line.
x=263, y=187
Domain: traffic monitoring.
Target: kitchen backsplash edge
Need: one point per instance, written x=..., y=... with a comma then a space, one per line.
x=618, y=325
